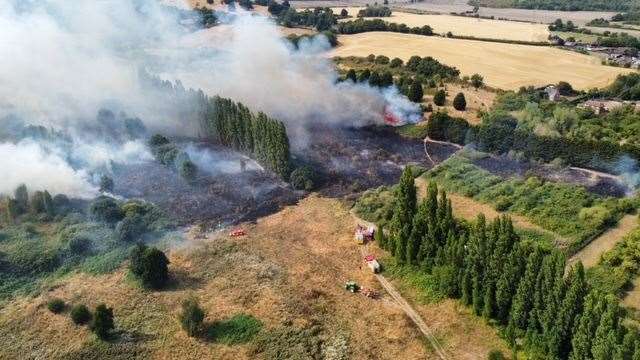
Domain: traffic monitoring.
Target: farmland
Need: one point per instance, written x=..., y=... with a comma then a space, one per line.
x=505, y=66
x=467, y=26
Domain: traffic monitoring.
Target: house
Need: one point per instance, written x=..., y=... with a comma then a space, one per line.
x=552, y=92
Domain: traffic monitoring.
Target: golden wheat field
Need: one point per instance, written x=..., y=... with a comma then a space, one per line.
x=504, y=66
x=466, y=26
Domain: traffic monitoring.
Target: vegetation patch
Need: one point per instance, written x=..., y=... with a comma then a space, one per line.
x=565, y=209
x=239, y=329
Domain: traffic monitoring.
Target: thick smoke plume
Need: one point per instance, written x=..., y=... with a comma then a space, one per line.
x=70, y=59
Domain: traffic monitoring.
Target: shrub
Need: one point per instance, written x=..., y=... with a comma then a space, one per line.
x=80, y=314
x=396, y=62
x=102, y=321
x=188, y=170
x=150, y=266
x=106, y=184
x=191, y=317
x=381, y=59
x=239, y=329
x=459, y=102
x=303, y=178
x=80, y=245
x=495, y=355
x=440, y=98
x=130, y=228
x=105, y=209
x=56, y=306
x=415, y=91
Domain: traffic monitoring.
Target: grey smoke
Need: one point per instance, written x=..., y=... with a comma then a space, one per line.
x=69, y=59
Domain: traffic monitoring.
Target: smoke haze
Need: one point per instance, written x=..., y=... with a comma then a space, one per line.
x=69, y=59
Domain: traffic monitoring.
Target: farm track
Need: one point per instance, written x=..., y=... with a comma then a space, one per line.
x=408, y=309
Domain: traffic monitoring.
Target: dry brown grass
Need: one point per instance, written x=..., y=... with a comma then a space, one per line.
x=466, y=26
x=505, y=66
x=590, y=254
x=476, y=100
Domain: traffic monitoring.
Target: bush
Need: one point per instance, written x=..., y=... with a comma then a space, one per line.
x=80, y=245
x=191, y=317
x=80, y=314
x=150, y=266
x=238, y=330
x=396, y=62
x=105, y=209
x=459, y=102
x=495, y=355
x=130, y=228
x=102, y=321
x=188, y=170
x=303, y=178
x=56, y=306
x=440, y=98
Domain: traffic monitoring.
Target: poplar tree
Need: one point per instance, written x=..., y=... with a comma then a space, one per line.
x=404, y=211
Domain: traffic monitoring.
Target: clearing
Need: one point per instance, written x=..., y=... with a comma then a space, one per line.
x=504, y=66
x=590, y=254
x=466, y=26
x=288, y=272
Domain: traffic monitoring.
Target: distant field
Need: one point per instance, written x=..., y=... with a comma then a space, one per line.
x=458, y=25
x=505, y=66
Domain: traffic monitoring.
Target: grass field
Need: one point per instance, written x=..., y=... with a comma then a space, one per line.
x=505, y=66
x=277, y=293
x=466, y=26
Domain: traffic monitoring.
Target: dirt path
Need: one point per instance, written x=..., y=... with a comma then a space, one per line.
x=413, y=315
x=590, y=254
x=406, y=307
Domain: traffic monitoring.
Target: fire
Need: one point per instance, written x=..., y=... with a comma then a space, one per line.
x=390, y=118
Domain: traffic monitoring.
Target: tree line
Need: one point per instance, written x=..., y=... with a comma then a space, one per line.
x=230, y=123
x=363, y=25
x=499, y=133
x=562, y=5
x=319, y=18
x=234, y=125
x=374, y=11
x=521, y=287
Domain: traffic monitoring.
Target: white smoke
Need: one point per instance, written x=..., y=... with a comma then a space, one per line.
x=29, y=163
x=65, y=60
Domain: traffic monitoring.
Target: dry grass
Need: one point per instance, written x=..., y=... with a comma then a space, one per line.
x=476, y=100
x=466, y=26
x=505, y=66
x=590, y=255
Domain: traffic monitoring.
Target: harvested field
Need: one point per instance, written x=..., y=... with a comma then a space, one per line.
x=467, y=26
x=460, y=6
x=505, y=66
x=476, y=100
x=288, y=272
x=590, y=255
